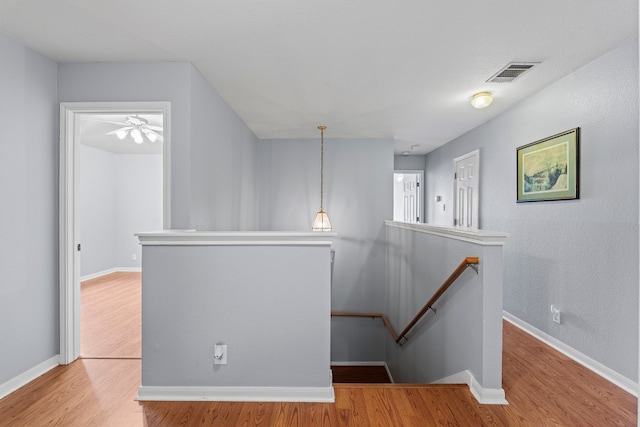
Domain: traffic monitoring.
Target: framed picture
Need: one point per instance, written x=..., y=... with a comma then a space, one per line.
x=549, y=169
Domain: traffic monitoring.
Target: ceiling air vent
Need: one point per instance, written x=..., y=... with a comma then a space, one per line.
x=511, y=72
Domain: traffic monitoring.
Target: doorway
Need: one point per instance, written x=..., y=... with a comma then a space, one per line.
x=466, y=190
x=72, y=116
x=407, y=196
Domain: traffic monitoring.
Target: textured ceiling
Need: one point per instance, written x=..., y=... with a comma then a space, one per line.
x=365, y=68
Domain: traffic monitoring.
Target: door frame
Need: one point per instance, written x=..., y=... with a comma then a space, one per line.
x=69, y=163
x=475, y=206
x=421, y=202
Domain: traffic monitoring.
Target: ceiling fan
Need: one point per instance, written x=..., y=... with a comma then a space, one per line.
x=137, y=127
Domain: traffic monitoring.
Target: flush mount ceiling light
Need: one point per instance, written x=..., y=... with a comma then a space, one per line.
x=321, y=221
x=137, y=127
x=481, y=99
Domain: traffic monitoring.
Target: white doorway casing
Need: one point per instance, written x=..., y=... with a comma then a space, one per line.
x=466, y=190
x=68, y=225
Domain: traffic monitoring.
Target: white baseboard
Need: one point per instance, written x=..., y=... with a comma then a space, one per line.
x=595, y=366
x=386, y=367
x=28, y=376
x=485, y=396
x=237, y=394
x=130, y=269
x=109, y=271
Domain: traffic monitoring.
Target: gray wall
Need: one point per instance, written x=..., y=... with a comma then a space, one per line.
x=138, y=203
x=358, y=198
x=409, y=162
x=32, y=86
x=158, y=81
x=97, y=200
x=276, y=327
x=223, y=152
x=120, y=194
x=212, y=151
x=465, y=332
x=29, y=209
x=581, y=255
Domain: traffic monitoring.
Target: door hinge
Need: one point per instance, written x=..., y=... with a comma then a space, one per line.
x=79, y=247
x=455, y=175
x=455, y=222
x=417, y=184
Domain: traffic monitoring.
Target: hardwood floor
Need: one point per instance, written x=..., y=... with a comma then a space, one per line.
x=110, y=320
x=543, y=387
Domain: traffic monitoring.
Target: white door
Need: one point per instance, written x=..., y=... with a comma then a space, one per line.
x=466, y=187
x=406, y=196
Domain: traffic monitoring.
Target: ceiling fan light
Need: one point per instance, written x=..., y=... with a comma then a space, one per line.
x=151, y=136
x=137, y=136
x=121, y=134
x=481, y=99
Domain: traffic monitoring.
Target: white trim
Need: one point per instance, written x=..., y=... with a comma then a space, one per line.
x=98, y=274
x=69, y=263
x=479, y=237
x=110, y=271
x=237, y=394
x=607, y=373
x=27, y=376
x=358, y=363
x=242, y=238
x=485, y=396
x=386, y=367
x=129, y=269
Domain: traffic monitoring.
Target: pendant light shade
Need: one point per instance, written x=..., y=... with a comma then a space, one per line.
x=321, y=221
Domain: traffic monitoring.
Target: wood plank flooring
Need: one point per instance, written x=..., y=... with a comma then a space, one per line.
x=543, y=387
x=110, y=319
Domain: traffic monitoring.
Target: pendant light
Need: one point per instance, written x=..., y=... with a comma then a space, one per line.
x=321, y=221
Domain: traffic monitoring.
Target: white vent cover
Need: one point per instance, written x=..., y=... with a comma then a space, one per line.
x=511, y=72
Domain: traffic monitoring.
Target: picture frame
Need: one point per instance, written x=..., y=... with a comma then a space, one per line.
x=549, y=169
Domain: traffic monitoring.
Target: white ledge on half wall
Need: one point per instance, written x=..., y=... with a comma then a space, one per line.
x=480, y=237
x=235, y=238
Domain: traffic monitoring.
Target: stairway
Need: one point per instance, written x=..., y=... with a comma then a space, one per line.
x=360, y=374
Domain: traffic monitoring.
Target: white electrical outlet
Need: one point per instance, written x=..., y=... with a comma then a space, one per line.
x=555, y=314
x=134, y=257
x=220, y=354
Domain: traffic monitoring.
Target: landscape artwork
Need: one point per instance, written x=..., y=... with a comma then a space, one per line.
x=548, y=169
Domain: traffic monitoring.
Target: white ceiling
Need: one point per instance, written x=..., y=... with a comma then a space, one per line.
x=365, y=68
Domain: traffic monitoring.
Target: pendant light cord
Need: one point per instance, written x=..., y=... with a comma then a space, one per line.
x=322, y=128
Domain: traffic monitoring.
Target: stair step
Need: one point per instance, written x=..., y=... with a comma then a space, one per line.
x=360, y=374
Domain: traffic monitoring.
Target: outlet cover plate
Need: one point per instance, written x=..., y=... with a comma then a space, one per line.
x=220, y=354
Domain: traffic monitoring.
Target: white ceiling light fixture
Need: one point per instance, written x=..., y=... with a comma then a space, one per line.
x=137, y=127
x=481, y=100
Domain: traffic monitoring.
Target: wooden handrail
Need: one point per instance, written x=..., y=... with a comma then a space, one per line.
x=469, y=261
x=447, y=283
x=372, y=315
